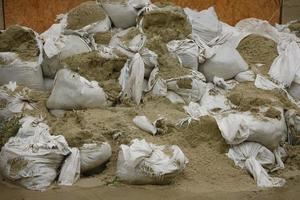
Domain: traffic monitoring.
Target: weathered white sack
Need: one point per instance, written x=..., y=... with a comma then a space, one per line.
x=226, y=64
x=253, y=157
x=72, y=91
x=245, y=76
x=32, y=158
x=94, y=155
x=293, y=126
x=146, y=163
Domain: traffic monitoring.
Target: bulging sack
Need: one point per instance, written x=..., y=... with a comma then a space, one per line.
x=226, y=64
x=94, y=155
x=253, y=157
x=18, y=64
x=72, y=91
x=32, y=158
x=146, y=163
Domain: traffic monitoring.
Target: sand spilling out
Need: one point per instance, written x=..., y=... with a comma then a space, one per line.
x=257, y=49
x=94, y=67
x=247, y=97
x=85, y=14
x=103, y=38
x=170, y=22
x=20, y=41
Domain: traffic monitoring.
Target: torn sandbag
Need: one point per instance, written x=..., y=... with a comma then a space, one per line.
x=58, y=48
x=147, y=163
x=154, y=128
x=131, y=79
x=254, y=157
x=87, y=17
x=205, y=23
x=286, y=65
x=245, y=76
x=292, y=119
x=168, y=22
x=194, y=111
x=94, y=155
x=33, y=157
x=70, y=170
x=214, y=99
x=239, y=127
x=21, y=55
x=72, y=91
x=226, y=64
x=122, y=13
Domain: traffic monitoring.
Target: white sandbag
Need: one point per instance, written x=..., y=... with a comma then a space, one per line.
x=286, y=65
x=264, y=83
x=253, y=157
x=294, y=91
x=214, y=98
x=94, y=155
x=150, y=61
x=123, y=14
x=70, y=171
x=57, y=49
x=194, y=111
x=143, y=123
x=226, y=64
x=245, y=76
x=72, y=91
x=239, y=127
x=194, y=92
x=293, y=126
x=174, y=98
x=226, y=85
x=160, y=88
x=205, y=23
x=32, y=158
x=26, y=73
x=146, y=163
x=232, y=35
x=132, y=77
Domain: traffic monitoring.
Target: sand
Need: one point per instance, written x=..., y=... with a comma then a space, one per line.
x=20, y=41
x=169, y=22
x=85, y=14
x=103, y=38
x=93, y=66
x=295, y=27
x=257, y=49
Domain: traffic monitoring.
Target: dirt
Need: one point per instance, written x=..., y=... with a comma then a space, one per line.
x=8, y=129
x=85, y=14
x=132, y=32
x=20, y=41
x=273, y=113
x=295, y=27
x=246, y=96
x=93, y=66
x=257, y=49
x=103, y=38
x=169, y=22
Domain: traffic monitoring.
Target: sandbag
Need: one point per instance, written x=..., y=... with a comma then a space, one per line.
x=19, y=64
x=226, y=64
x=146, y=163
x=205, y=23
x=239, y=127
x=123, y=14
x=70, y=171
x=286, y=65
x=72, y=91
x=253, y=157
x=94, y=155
x=293, y=126
x=131, y=79
x=32, y=158
x=245, y=76
x=87, y=17
x=294, y=91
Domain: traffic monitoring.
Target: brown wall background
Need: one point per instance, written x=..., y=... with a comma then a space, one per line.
x=40, y=14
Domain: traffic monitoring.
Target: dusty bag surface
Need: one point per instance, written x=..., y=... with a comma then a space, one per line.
x=254, y=157
x=33, y=156
x=70, y=171
x=94, y=155
x=226, y=64
x=293, y=126
x=146, y=163
x=21, y=55
x=72, y=91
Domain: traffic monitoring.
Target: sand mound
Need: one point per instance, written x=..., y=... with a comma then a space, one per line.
x=169, y=22
x=257, y=49
x=21, y=41
x=94, y=67
x=85, y=14
x=247, y=97
x=103, y=38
